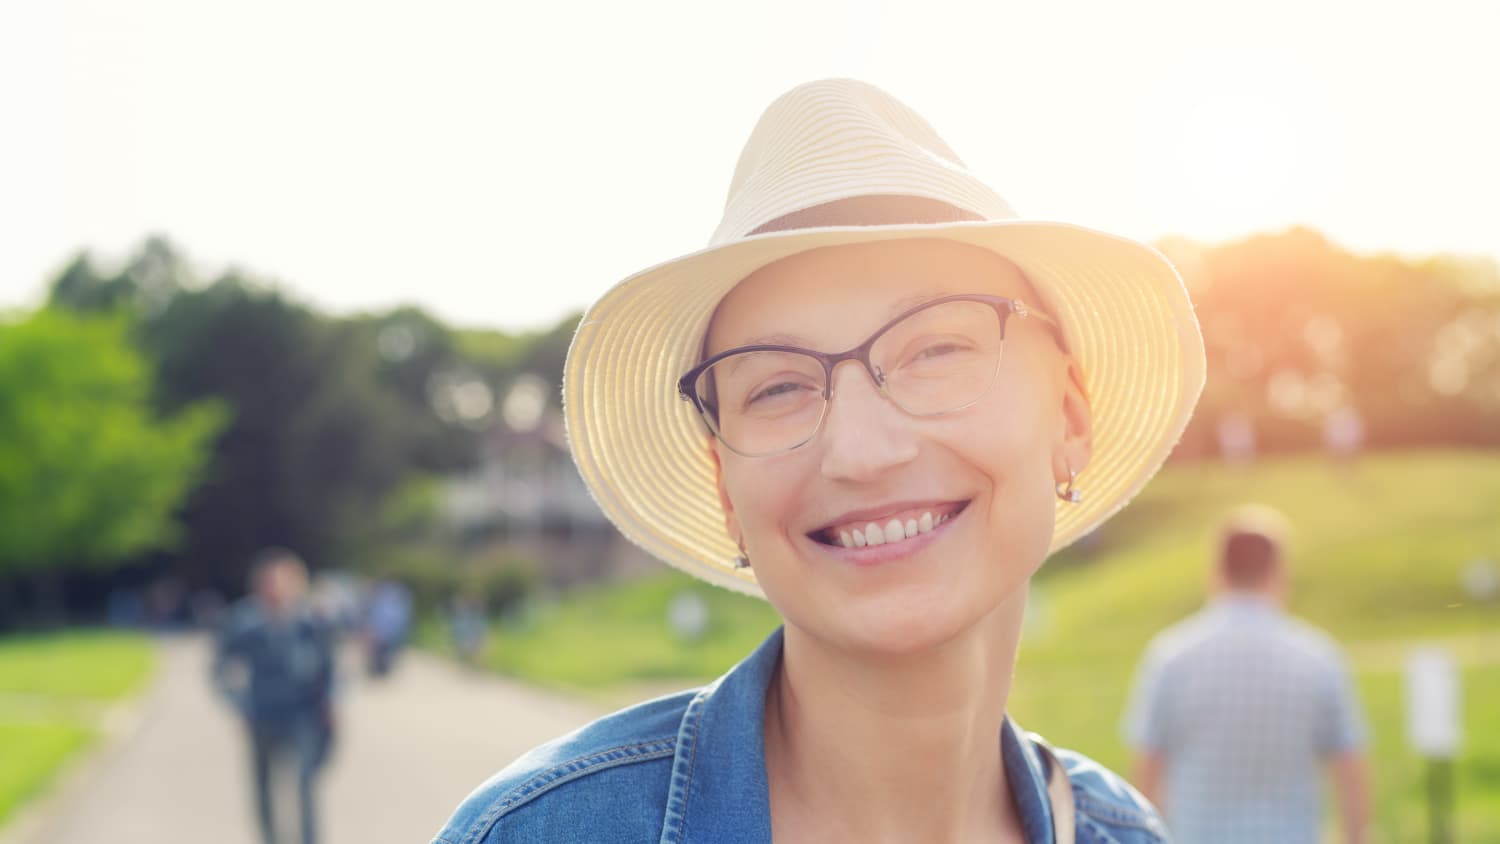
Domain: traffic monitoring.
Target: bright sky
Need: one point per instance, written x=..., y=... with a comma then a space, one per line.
x=502, y=163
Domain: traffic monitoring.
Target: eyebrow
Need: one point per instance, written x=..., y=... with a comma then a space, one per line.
x=897, y=308
x=776, y=340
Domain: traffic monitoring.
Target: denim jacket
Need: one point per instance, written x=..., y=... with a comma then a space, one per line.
x=691, y=768
x=288, y=664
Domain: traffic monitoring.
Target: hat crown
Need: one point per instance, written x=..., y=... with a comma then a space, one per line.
x=841, y=138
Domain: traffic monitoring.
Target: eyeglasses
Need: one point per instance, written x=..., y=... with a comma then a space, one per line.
x=939, y=357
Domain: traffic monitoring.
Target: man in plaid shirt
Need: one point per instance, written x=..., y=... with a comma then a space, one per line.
x=1238, y=710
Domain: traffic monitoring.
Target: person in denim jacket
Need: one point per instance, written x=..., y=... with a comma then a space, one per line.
x=274, y=664
x=880, y=400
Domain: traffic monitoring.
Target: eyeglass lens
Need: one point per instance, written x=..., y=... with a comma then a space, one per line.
x=937, y=360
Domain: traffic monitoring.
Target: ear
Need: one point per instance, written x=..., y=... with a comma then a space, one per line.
x=1217, y=585
x=1279, y=585
x=731, y=522
x=1074, y=446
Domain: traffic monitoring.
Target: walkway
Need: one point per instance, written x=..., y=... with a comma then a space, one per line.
x=410, y=748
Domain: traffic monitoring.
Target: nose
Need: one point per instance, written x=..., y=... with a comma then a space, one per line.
x=864, y=434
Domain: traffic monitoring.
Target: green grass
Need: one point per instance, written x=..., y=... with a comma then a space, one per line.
x=93, y=665
x=33, y=752
x=1378, y=550
x=52, y=690
x=603, y=638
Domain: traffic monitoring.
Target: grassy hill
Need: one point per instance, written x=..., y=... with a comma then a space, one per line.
x=1378, y=554
x=1379, y=548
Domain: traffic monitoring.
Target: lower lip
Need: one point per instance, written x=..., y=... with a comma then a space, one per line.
x=874, y=555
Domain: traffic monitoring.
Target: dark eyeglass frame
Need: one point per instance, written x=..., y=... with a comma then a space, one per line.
x=1005, y=307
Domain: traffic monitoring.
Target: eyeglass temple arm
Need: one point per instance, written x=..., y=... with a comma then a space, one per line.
x=1022, y=310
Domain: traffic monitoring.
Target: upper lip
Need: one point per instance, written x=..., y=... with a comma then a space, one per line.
x=881, y=512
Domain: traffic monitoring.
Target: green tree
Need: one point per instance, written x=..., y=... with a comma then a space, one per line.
x=329, y=417
x=89, y=475
x=1296, y=328
x=315, y=441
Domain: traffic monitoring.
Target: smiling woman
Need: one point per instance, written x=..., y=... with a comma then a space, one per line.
x=942, y=426
x=879, y=400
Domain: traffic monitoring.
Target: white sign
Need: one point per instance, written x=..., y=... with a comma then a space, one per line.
x=1432, y=702
x=688, y=615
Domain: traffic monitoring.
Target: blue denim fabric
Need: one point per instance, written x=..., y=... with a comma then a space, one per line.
x=288, y=664
x=691, y=768
x=291, y=749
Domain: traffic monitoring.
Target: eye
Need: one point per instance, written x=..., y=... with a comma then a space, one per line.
x=771, y=391
x=933, y=350
x=936, y=350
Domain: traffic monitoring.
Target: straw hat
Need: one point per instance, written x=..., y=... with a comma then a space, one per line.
x=644, y=452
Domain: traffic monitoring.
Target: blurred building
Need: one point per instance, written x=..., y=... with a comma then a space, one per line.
x=526, y=495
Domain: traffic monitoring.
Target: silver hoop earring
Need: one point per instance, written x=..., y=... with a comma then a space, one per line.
x=741, y=562
x=1066, y=491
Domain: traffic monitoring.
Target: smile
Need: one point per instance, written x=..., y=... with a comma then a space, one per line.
x=863, y=530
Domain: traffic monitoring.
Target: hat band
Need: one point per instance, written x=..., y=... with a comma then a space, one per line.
x=874, y=210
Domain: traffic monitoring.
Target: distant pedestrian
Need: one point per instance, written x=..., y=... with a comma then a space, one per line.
x=275, y=665
x=387, y=622
x=1344, y=434
x=468, y=627
x=1237, y=711
x=1236, y=434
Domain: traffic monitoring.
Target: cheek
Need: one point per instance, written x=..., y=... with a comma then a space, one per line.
x=1011, y=433
x=1017, y=469
x=761, y=498
x=1011, y=448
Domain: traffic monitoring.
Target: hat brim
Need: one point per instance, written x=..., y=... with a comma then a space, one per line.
x=643, y=452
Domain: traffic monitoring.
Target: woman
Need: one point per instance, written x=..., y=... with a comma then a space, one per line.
x=881, y=401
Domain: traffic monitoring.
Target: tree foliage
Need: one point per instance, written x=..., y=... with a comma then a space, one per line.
x=328, y=417
x=89, y=475
x=334, y=429
x=1297, y=328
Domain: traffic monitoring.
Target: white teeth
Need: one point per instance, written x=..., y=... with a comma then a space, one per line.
x=894, y=531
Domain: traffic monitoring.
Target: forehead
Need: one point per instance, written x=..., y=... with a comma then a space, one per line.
x=278, y=570
x=831, y=298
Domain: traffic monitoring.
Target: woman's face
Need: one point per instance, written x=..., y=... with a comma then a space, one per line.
x=984, y=475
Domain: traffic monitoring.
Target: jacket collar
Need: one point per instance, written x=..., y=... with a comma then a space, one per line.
x=719, y=791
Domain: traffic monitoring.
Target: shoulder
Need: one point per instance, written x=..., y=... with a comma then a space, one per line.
x=243, y=619
x=1312, y=640
x=607, y=781
x=1168, y=650
x=1184, y=636
x=1109, y=810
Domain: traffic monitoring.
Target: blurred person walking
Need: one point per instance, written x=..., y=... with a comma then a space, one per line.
x=1237, y=710
x=274, y=663
x=468, y=627
x=387, y=621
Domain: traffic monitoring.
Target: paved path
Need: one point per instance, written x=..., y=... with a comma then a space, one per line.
x=410, y=748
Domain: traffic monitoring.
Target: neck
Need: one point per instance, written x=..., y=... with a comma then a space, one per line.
x=894, y=747
x=278, y=610
x=1265, y=597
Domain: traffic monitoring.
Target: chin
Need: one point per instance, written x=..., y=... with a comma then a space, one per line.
x=905, y=628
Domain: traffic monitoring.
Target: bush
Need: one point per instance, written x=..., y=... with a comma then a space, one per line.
x=500, y=580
